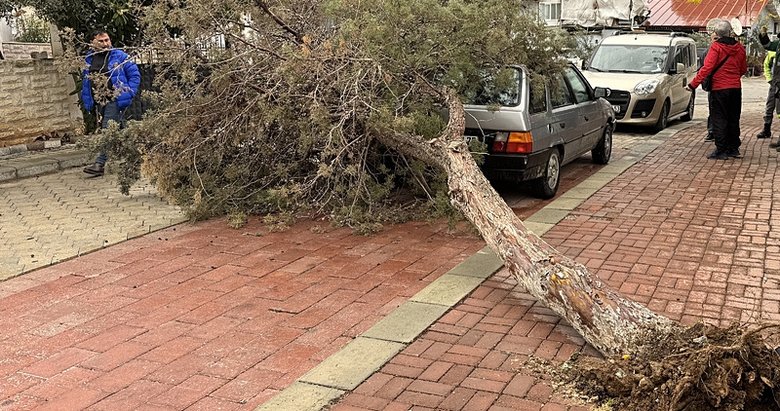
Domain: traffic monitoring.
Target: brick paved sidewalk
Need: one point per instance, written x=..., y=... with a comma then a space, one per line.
x=695, y=239
x=203, y=317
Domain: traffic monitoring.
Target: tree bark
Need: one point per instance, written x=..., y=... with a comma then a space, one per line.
x=610, y=322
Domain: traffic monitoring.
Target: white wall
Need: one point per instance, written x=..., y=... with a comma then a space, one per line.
x=5, y=31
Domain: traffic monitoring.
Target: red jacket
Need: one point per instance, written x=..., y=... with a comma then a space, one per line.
x=729, y=75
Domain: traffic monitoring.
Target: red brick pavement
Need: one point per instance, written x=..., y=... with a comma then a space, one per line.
x=694, y=239
x=205, y=317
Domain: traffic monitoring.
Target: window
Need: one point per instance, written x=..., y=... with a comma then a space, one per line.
x=550, y=11
x=581, y=93
x=560, y=95
x=683, y=55
x=538, y=96
x=496, y=87
x=629, y=59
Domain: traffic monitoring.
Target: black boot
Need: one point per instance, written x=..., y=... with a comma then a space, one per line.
x=766, y=132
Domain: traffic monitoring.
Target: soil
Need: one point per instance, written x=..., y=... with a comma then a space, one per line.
x=703, y=368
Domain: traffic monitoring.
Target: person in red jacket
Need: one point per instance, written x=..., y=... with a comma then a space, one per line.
x=726, y=95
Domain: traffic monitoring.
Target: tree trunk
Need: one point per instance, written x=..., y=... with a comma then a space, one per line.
x=606, y=319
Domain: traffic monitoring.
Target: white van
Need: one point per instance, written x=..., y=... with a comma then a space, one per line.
x=647, y=74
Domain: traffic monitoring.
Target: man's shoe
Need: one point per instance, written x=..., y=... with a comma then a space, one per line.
x=764, y=134
x=733, y=153
x=96, y=169
x=718, y=155
x=776, y=144
x=709, y=137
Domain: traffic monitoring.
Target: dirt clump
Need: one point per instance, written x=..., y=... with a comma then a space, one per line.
x=702, y=368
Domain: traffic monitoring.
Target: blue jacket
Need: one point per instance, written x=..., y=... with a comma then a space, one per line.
x=124, y=75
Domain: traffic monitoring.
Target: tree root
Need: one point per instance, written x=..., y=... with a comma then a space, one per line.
x=702, y=368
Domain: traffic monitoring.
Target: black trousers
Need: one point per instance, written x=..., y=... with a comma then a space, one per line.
x=725, y=110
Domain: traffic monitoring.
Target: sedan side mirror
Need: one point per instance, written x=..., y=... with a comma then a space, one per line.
x=602, y=92
x=678, y=68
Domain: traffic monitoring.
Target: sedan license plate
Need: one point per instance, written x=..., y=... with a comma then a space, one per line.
x=469, y=139
x=616, y=108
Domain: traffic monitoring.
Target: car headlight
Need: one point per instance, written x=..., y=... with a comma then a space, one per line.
x=646, y=87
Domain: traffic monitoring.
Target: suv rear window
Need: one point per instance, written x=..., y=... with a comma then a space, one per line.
x=496, y=87
x=630, y=59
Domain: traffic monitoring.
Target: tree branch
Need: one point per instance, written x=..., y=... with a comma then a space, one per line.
x=298, y=37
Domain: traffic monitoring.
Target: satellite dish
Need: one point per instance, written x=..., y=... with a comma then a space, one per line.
x=736, y=26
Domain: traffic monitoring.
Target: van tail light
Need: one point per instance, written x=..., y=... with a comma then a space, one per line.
x=514, y=142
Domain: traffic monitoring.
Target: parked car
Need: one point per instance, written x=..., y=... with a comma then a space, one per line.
x=531, y=128
x=647, y=73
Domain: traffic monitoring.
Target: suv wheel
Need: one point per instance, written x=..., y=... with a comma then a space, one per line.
x=547, y=185
x=603, y=150
x=688, y=116
x=663, y=119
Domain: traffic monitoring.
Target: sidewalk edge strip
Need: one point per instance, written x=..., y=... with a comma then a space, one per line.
x=372, y=348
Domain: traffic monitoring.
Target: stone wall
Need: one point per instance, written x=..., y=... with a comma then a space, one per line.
x=35, y=100
x=25, y=51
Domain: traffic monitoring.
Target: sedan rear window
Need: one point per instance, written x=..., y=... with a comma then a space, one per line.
x=496, y=87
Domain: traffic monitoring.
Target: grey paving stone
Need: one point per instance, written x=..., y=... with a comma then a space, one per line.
x=347, y=368
x=7, y=173
x=301, y=397
x=36, y=167
x=548, y=216
x=71, y=159
x=565, y=203
x=447, y=290
x=481, y=265
x=538, y=228
x=406, y=322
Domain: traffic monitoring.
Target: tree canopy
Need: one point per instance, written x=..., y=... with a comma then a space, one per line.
x=118, y=17
x=293, y=114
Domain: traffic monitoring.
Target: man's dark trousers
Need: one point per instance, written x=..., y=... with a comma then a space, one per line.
x=109, y=112
x=725, y=110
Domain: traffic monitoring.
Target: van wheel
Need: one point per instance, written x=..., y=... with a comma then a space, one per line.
x=547, y=185
x=663, y=119
x=603, y=150
x=688, y=116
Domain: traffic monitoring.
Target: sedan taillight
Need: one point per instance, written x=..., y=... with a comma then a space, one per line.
x=514, y=142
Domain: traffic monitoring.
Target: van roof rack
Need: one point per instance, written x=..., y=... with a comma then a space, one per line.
x=643, y=31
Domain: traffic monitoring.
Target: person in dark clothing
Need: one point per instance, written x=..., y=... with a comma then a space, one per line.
x=774, y=82
x=111, y=80
x=710, y=136
x=726, y=94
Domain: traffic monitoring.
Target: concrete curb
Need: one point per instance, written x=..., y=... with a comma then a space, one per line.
x=346, y=369
x=21, y=163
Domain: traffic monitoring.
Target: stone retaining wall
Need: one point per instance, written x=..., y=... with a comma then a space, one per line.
x=35, y=101
x=25, y=51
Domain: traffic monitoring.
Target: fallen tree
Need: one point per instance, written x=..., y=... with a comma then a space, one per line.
x=335, y=108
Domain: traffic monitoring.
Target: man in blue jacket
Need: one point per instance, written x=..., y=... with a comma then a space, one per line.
x=111, y=80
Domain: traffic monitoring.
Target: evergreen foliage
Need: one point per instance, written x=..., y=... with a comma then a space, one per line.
x=291, y=115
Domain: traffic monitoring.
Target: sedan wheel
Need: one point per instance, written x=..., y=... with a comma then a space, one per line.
x=547, y=185
x=603, y=150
